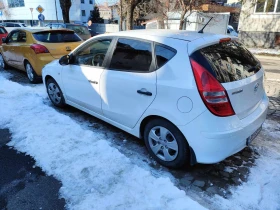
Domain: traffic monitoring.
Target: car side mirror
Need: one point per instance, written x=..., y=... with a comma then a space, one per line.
x=64, y=60
x=3, y=39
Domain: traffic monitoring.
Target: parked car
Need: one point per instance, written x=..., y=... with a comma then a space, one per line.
x=81, y=30
x=13, y=24
x=3, y=33
x=193, y=97
x=31, y=49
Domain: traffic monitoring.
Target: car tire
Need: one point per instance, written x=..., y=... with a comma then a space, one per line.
x=55, y=93
x=166, y=144
x=31, y=74
x=3, y=64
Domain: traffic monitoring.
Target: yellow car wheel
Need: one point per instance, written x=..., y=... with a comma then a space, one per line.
x=3, y=64
x=32, y=76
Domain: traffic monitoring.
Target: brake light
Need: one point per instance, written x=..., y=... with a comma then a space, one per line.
x=211, y=91
x=38, y=48
x=225, y=40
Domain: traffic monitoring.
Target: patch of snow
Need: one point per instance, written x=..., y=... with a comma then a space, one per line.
x=262, y=190
x=94, y=174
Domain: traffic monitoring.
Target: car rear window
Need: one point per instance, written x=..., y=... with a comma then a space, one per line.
x=80, y=30
x=56, y=36
x=227, y=61
x=3, y=30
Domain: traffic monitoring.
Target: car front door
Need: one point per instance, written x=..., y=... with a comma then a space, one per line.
x=81, y=77
x=8, y=48
x=128, y=86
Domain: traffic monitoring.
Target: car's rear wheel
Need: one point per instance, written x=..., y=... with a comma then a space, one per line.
x=55, y=93
x=3, y=64
x=166, y=144
x=31, y=74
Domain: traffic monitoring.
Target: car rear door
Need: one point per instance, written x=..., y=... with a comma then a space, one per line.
x=128, y=86
x=81, y=78
x=238, y=71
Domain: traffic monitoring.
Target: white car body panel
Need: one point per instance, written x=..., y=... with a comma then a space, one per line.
x=175, y=97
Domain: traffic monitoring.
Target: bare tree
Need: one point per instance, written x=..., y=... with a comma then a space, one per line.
x=65, y=7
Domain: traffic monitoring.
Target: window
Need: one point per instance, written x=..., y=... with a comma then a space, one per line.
x=83, y=13
x=270, y=6
x=227, y=61
x=163, y=54
x=21, y=36
x=132, y=55
x=93, y=54
x=16, y=3
x=13, y=36
x=3, y=30
x=56, y=36
x=90, y=2
x=10, y=25
x=82, y=1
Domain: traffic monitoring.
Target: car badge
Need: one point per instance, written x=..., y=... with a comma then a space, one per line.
x=256, y=87
x=68, y=48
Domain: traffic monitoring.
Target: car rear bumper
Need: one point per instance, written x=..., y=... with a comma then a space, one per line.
x=39, y=61
x=215, y=138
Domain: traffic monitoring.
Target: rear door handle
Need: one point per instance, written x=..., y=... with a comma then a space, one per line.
x=93, y=82
x=144, y=92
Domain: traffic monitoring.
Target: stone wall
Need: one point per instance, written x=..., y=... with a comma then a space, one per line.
x=257, y=39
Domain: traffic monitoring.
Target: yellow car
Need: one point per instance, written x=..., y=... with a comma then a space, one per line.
x=31, y=49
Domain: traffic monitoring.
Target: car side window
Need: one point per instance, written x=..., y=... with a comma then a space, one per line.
x=93, y=54
x=132, y=55
x=21, y=36
x=10, y=25
x=163, y=54
x=13, y=37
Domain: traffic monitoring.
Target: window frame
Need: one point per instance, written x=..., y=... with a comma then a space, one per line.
x=152, y=67
x=82, y=1
x=264, y=9
x=74, y=54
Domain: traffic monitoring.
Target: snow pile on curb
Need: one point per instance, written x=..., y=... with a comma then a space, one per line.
x=259, y=51
x=262, y=190
x=94, y=175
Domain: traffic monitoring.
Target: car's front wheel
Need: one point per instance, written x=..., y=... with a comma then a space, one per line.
x=32, y=76
x=166, y=144
x=55, y=93
x=3, y=64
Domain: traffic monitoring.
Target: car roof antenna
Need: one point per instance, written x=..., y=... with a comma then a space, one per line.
x=201, y=30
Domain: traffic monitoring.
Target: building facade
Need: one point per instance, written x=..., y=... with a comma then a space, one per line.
x=19, y=10
x=259, y=24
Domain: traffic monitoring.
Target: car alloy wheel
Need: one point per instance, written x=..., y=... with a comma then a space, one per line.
x=29, y=71
x=54, y=93
x=163, y=143
x=2, y=62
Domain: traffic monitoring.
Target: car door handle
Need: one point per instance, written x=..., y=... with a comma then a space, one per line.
x=93, y=82
x=144, y=92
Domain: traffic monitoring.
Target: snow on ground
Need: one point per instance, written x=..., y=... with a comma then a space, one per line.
x=262, y=191
x=258, y=51
x=94, y=175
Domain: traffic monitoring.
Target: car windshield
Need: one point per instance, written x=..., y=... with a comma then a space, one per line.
x=56, y=36
x=80, y=30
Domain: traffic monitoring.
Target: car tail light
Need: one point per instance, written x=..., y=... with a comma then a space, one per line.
x=211, y=91
x=38, y=48
x=225, y=40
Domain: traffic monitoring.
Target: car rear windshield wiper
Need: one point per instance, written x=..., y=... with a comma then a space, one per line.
x=254, y=68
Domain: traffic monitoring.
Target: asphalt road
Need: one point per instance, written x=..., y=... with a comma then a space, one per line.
x=22, y=185
x=271, y=66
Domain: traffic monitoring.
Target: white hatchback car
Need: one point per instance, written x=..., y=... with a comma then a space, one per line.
x=193, y=97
